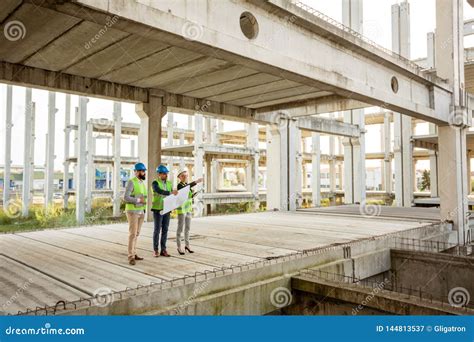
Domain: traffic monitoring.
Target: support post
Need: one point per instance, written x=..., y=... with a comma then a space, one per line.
x=28, y=148
x=90, y=182
x=198, y=162
x=8, y=147
x=433, y=155
x=117, y=147
x=81, y=160
x=403, y=150
x=452, y=177
x=49, y=170
x=387, y=141
x=316, y=169
x=67, y=134
x=149, y=142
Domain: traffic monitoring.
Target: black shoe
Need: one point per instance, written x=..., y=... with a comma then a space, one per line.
x=138, y=258
x=180, y=251
x=188, y=249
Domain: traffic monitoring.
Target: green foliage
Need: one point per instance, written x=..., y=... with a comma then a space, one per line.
x=425, y=181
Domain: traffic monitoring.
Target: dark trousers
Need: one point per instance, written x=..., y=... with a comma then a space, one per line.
x=161, y=224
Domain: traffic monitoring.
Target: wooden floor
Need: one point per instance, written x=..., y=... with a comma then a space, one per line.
x=40, y=268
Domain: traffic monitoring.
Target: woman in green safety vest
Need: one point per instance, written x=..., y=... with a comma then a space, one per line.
x=185, y=212
x=135, y=207
x=161, y=187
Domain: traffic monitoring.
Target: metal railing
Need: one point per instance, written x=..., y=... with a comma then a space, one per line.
x=358, y=35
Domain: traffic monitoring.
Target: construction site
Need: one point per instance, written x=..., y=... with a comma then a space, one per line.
x=336, y=171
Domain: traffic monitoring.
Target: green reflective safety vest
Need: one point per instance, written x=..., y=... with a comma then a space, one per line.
x=139, y=190
x=187, y=206
x=157, y=202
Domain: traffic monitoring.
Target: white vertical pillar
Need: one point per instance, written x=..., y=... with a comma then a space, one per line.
x=76, y=147
x=452, y=177
x=67, y=134
x=49, y=170
x=27, y=148
x=433, y=155
x=81, y=160
x=116, y=179
x=170, y=141
x=8, y=147
x=90, y=182
x=198, y=161
x=387, y=141
x=277, y=167
x=403, y=150
x=316, y=169
x=430, y=41
x=252, y=143
x=295, y=166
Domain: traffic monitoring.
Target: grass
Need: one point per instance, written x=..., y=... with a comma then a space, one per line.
x=55, y=216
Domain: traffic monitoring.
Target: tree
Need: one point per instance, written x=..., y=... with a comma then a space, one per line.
x=425, y=181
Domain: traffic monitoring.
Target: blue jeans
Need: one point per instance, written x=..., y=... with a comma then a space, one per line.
x=161, y=224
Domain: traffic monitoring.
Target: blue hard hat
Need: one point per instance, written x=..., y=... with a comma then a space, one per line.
x=140, y=167
x=162, y=169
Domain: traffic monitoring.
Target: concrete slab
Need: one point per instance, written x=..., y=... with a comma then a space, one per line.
x=23, y=287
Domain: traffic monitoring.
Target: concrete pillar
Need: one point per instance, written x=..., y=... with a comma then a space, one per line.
x=198, y=162
x=169, y=143
x=81, y=159
x=252, y=143
x=90, y=169
x=149, y=142
x=28, y=163
x=316, y=169
x=67, y=135
x=433, y=155
x=468, y=164
x=332, y=165
x=387, y=141
x=49, y=167
x=117, y=147
x=76, y=147
x=8, y=147
x=403, y=150
x=452, y=177
x=354, y=149
x=283, y=147
x=430, y=42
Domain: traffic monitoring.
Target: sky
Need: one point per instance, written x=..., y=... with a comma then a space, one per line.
x=377, y=27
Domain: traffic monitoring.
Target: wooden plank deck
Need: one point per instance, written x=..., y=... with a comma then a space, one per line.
x=75, y=262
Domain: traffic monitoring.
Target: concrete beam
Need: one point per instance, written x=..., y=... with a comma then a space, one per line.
x=346, y=75
x=56, y=81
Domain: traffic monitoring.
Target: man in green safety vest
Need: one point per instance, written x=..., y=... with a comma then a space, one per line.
x=135, y=206
x=185, y=212
x=161, y=187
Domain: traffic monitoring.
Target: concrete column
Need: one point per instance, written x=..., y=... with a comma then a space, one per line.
x=49, y=169
x=117, y=147
x=8, y=147
x=387, y=141
x=430, y=42
x=403, y=150
x=81, y=160
x=28, y=163
x=316, y=169
x=252, y=142
x=352, y=14
x=149, y=139
x=283, y=148
x=67, y=135
x=198, y=162
x=468, y=164
x=452, y=177
x=433, y=165
x=76, y=147
x=169, y=143
x=90, y=169
x=332, y=165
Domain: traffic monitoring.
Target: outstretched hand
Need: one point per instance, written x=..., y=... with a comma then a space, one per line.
x=174, y=192
x=199, y=180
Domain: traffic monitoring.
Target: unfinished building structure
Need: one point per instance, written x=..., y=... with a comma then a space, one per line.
x=293, y=76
